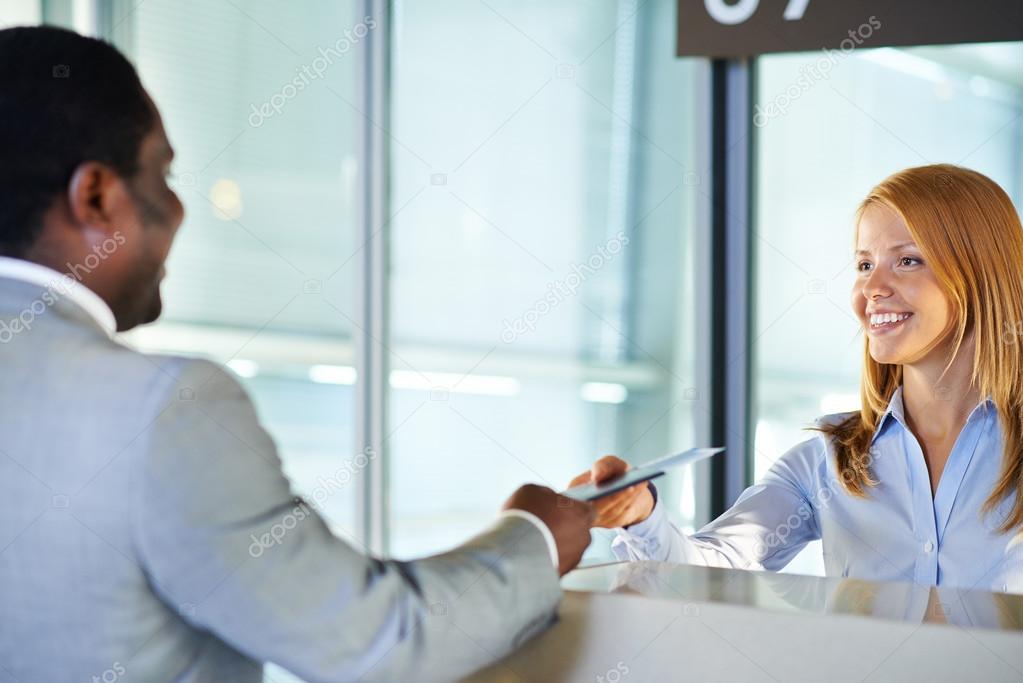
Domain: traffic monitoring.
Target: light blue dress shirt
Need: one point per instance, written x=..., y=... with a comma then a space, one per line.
x=898, y=533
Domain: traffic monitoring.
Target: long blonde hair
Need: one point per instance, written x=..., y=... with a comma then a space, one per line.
x=971, y=236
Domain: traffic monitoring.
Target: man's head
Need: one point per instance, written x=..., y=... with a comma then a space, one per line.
x=84, y=161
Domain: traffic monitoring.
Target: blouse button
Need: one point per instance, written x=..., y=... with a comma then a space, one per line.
x=928, y=547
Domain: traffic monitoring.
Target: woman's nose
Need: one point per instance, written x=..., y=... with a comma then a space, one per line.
x=876, y=285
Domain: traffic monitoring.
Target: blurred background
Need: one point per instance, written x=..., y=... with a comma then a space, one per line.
x=544, y=252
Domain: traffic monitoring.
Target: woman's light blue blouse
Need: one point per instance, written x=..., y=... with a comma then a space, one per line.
x=898, y=533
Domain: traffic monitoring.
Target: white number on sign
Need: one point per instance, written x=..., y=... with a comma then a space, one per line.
x=724, y=13
x=794, y=10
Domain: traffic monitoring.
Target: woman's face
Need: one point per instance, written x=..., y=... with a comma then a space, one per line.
x=896, y=295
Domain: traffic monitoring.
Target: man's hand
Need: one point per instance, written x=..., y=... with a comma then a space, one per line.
x=569, y=520
x=624, y=508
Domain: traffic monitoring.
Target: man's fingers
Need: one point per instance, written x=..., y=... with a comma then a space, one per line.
x=591, y=513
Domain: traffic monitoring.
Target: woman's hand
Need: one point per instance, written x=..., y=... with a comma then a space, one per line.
x=624, y=508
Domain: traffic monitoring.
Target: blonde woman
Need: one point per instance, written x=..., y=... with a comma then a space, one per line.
x=923, y=483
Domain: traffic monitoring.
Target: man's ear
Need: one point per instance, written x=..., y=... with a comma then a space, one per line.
x=96, y=196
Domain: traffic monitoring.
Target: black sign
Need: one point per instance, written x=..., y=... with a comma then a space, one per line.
x=738, y=28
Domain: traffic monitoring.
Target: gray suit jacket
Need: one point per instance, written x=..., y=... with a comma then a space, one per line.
x=133, y=490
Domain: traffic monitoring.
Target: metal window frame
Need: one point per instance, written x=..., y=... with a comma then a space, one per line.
x=372, y=286
x=732, y=87
x=87, y=17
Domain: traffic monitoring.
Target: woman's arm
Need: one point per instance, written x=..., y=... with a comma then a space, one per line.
x=769, y=523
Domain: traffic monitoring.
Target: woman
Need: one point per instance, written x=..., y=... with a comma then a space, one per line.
x=922, y=484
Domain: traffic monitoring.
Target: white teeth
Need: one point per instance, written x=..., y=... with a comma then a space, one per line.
x=883, y=318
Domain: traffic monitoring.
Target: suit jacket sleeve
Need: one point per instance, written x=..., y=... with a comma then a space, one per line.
x=231, y=549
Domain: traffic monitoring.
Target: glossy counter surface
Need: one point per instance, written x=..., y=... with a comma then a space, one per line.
x=658, y=622
x=804, y=594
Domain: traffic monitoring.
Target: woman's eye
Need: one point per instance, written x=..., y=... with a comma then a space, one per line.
x=863, y=266
x=909, y=261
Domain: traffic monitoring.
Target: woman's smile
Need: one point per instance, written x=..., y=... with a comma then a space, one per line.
x=887, y=322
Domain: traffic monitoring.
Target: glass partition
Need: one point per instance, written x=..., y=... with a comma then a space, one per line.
x=544, y=183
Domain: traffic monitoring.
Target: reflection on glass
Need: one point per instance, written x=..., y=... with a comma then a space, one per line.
x=540, y=254
x=785, y=592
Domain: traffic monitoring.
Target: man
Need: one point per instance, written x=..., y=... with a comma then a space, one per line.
x=132, y=486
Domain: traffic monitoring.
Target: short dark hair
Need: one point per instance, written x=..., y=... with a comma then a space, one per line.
x=64, y=99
